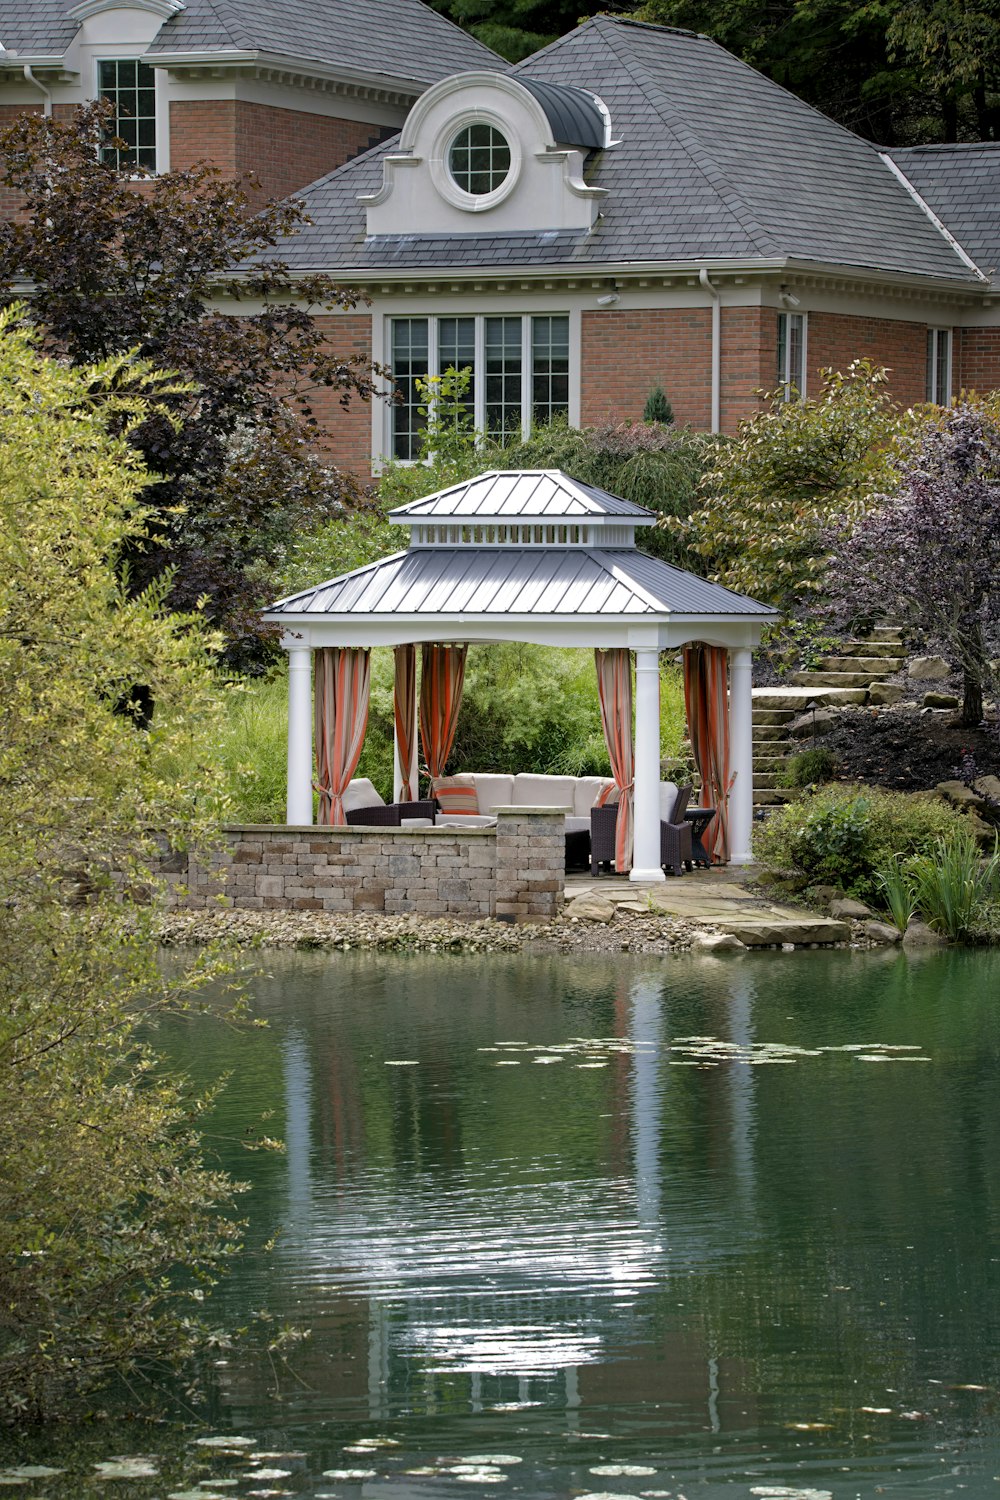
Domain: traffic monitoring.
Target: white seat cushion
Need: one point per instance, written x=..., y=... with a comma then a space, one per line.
x=361, y=793
x=544, y=791
x=586, y=793
x=493, y=790
x=668, y=796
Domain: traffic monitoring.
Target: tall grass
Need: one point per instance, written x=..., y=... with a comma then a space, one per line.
x=524, y=708
x=953, y=886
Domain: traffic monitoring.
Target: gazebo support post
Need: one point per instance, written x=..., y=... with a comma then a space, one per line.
x=740, y=755
x=299, y=805
x=646, y=849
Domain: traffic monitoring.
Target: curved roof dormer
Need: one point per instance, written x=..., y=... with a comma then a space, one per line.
x=490, y=144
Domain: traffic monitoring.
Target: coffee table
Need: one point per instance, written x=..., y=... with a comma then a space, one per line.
x=699, y=818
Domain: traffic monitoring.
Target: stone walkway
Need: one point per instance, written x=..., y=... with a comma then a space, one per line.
x=718, y=899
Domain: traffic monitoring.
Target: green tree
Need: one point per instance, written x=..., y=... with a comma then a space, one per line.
x=514, y=28
x=112, y=1225
x=113, y=267
x=771, y=497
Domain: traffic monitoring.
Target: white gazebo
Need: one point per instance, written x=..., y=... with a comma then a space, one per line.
x=532, y=555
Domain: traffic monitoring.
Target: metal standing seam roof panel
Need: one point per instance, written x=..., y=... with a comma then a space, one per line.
x=558, y=582
x=573, y=113
x=521, y=492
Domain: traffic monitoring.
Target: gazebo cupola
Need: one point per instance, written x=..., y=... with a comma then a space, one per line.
x=535, y=555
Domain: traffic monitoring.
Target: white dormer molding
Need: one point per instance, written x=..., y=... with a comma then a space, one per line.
x=164, y=9
x=544, y=189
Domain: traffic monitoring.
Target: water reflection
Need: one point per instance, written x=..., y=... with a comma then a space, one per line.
x=518, y=1187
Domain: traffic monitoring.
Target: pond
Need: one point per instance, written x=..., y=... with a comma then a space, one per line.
x=633, y=1227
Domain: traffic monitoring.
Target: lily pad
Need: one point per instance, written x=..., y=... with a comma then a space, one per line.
x=620, y=1470
x=126, y=1468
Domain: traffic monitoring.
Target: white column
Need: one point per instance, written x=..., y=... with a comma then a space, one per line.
x=646, y=851
x=740, y=756
x=299, y=806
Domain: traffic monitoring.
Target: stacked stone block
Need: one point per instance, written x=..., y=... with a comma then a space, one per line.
x=513, y=871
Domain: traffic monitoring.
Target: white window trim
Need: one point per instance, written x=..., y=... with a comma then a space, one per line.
x=382, y=431
x=932, y=371
x=785, y=381
x=112, y=53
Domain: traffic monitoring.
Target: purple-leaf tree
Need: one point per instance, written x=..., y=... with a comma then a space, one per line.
x=928, y=556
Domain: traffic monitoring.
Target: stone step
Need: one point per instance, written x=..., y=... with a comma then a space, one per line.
x=771, y=796
x=773, y=715
x=768, y=733
x=878, y=666
x=887, y=633
x=798, y=697
x=870, y=648
x=831, y=679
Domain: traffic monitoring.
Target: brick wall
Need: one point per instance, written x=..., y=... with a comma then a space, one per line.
x=514, y=870
x=625, y=354
x=976, y=360
x=349, y=444
x=749, y=361
x=284, y=148
x=835, y=339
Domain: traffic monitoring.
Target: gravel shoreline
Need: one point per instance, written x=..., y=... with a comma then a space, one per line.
x=627, y=933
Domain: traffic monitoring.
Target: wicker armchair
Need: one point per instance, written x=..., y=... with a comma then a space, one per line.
x=388, y=815
x=675, y=836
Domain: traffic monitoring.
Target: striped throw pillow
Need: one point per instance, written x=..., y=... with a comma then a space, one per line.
x=455, y=795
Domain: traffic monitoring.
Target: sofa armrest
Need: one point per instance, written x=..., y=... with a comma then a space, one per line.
x=378, y=816
x=425, y=809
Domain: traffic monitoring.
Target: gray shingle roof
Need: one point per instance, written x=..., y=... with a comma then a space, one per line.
x=522, y=494
x=399, y=38
x=961, y=184
x=715, y=162
x=557, y=582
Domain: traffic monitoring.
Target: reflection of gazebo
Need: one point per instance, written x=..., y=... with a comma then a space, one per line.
x=533, y=556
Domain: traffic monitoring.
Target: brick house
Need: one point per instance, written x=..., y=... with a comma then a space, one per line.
x=283, y=90
x=633, y=207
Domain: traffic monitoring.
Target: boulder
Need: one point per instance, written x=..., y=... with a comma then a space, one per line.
x=763, y=931
x=717, y=942
x=884, y=694
x=989, y=786
x=881, y=932
x=929, y=668
x=940, y=700
x=959, y=795
x=591, y=907
x=822, y=895
x=919, y=935
x=819, y=723
x=845, y=908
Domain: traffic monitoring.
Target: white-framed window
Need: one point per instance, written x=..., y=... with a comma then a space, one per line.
x=519, y=364
x=939, y=366
x=130, y=86
x=792, y=355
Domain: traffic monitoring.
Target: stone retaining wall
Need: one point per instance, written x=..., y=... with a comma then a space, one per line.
x=513, y=871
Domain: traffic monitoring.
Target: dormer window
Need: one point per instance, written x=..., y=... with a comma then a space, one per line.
x=130, y=86
x=479, y=159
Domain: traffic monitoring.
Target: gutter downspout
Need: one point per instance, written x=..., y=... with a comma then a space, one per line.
x=713, y=292
x=47, y=97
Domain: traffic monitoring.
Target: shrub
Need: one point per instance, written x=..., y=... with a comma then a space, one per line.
x=809, y=767
x=657, y=407
x=953, y=885
x=846, y=835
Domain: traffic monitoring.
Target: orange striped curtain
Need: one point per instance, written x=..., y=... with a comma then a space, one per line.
x=342, y=676
x=442, y=675
x=706, y=699
x=404, y=708
x=614, y=690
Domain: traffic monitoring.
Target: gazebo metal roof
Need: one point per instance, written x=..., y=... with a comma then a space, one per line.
x=528, y=545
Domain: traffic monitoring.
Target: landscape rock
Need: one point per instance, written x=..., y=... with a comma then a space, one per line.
x=591, y=907
x=822, y=895
x=717, y=942
x=929, y=668
x=883, y=694
x=802, y=727
x=940, y=700
x=919, y=935
x=881, y=932
x=959, y=795
x=989, y=786
x=773, y=932
x=845, y=907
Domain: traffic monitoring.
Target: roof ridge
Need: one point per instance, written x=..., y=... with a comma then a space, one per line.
x=696, y=149
x=943, y=146
x=220, y=10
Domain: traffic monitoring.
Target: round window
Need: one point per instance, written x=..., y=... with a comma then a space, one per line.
x=479, y=159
